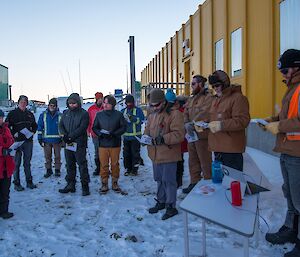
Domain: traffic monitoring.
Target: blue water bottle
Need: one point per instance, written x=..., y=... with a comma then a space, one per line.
x=217, y=174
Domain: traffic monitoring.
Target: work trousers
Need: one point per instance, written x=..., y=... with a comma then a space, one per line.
x=290, y=168
x=165, y=176
x=96, y=147
x=4, y=193
x=199, y=160
x=26, y=150
x=232, y=160
x=109, y=157
x=131, y=154
x=48, y=155
x=78, y=157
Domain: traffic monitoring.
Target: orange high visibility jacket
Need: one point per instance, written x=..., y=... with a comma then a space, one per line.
x=293, y=113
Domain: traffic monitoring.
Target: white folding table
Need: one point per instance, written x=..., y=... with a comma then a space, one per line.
x=217, y=209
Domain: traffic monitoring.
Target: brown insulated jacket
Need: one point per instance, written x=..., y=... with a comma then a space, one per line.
x=171, y=127
x=283, y=145
x=197, y=109
x=232, y=108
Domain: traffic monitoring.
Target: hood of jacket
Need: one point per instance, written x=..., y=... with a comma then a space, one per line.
x=76, y=98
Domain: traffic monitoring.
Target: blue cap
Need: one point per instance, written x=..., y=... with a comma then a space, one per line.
x=170, y=95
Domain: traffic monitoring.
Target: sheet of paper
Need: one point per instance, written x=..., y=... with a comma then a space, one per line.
x=71, y=147
x=104, y=131
x=16, y=145
x=26, y=132
x=201, y=124
x=260, y=121
x=145, y=139
x=192, y=138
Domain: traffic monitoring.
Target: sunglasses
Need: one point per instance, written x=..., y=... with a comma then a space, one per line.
x=284, y=71
x=155, y=105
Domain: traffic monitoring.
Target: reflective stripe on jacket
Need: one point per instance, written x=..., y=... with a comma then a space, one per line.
x=48, y=127
x=134, y=128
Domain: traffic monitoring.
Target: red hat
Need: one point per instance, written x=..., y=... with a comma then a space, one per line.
x=98, y=95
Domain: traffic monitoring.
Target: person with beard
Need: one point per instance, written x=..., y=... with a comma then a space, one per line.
x=73, y=126
x=197, y=109
x=286, y=127
x=131, y=150
x=49, y=137
x=109, y=126
x=229, y=117
x=165, y=127
x=93, y=110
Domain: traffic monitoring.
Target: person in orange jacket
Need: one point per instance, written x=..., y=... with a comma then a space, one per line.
x=7, y=166
x=286, y=127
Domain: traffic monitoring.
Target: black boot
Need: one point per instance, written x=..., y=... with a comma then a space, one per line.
x=6, y=215
x=18, y=186
x=48, y=173
x=97, y=170
x=30, y=185
x=170, y=212
x=57, y=173
x=188, y=189
x=85, y=189
x=70, y=187
x=295, y=252
x=284, y=235
x=158, y=206
x=142, y=161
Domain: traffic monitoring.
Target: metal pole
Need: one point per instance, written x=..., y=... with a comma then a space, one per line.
x=186, y=234
x=79, y=79
x=132, y=65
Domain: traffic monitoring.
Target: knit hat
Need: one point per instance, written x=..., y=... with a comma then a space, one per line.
x=53, y=101
x=219, y=76
x=74, y=97
x=23, y=97
x=1, y=113
x=111, y=100
x=170, y=96
x=129, y=99
x=98, y=95
x=157, y=96
x=290, y=58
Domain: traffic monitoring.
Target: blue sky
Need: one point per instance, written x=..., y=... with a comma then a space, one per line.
x=43, y=40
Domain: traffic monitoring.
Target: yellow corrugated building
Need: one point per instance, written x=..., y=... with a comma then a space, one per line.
x=242, y=37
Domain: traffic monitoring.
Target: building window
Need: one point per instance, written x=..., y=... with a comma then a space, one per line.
x=219, y=55
x=236, y=52
x=289, y=36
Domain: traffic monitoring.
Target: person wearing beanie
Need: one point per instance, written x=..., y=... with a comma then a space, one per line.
x=109, y=126
x=229, y=117
x=197, y=109
x=286, y=127
x=73, y=126
x=165, y=127
x=17, y=120
x=93, y=110
x=7, y=166
x=49, y=137
x=131, y=146
x=170, y=96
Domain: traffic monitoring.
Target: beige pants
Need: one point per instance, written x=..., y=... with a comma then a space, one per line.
x=109, y=157
x=199, y=160
x=48, y=155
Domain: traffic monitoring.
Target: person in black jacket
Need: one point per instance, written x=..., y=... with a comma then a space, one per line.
x=18, y=120
x=109, y=125
x=73, y=126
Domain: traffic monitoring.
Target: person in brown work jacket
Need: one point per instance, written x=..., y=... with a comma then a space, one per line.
x=165, y=126
x=197, y=109
x=286, y=127
x=229, y=117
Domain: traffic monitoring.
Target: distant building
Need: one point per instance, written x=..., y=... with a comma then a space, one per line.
x=4, y=95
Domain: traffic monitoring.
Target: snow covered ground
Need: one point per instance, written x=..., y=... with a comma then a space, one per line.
x=47, y=223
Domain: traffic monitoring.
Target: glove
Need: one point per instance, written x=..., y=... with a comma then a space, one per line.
x=41, y=143
x=215, y=126
x=159, y=140
x=106, y=136
x=6, y=151
x=189, y=128
x=67, y=139
x=273, y=127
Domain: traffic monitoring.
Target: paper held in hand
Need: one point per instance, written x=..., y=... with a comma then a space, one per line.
x=191, y=137
x=26, y=132
x=201, y=124
x=145, y=139
x=71, y=147
x=260, y=121
x=104, y=131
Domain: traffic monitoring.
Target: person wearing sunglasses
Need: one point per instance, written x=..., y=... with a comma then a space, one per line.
x=49, y=137
x=286, y=127
x=165, y=126
x=197, y=109
x=229, y=117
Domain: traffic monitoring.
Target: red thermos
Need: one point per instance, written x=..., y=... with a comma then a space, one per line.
x=236, y=196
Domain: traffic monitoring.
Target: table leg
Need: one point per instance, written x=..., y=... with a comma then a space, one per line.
x=246, y=247
x=204, y=238
x=186, y=234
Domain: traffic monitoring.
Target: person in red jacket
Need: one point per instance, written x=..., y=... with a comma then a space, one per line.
x=7, y=166
x=97, y=107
